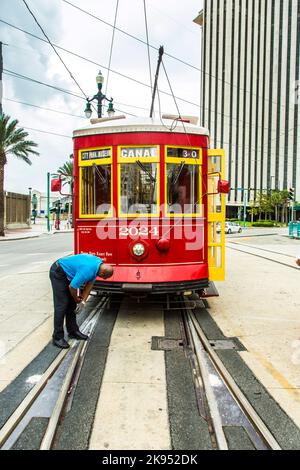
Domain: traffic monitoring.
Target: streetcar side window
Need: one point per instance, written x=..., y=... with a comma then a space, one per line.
x=183, y=192
x=139, y=188
x=96, y=190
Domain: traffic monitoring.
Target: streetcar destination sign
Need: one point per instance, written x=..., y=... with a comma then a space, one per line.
x=95, y=154
x=183, y=153
x=139, y=152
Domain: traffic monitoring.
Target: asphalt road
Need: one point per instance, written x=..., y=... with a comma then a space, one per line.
x=16, y=255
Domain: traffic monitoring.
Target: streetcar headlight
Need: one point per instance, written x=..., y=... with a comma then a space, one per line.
x=138, y=249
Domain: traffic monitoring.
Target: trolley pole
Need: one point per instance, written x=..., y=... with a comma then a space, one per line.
x=161, y=53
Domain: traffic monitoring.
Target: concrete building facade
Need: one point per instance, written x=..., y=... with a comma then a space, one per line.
x=250, y=91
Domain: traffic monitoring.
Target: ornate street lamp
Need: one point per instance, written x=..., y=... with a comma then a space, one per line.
x=99, y=97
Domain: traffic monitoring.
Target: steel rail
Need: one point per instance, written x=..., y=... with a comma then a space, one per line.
x=22, y=409
x=211, y=400
x=235, y=390
x=19, y=413
x=261, y=249
x=54, y=419
x=263, y=257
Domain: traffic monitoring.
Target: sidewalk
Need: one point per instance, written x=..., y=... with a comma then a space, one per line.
x=40, y=228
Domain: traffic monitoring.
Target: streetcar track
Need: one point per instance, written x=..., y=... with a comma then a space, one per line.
x=262, y=249
x=211, y=370
x=263, y=257
x=15, y=420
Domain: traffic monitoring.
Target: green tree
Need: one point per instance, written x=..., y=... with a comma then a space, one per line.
x=66, y=173
x=13, y=142
x=276, y=202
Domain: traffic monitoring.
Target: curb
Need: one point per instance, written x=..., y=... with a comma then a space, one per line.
x=4, y=239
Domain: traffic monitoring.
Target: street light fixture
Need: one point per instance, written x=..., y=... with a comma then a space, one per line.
x=99, y=97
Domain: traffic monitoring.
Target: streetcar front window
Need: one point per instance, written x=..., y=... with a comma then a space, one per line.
x=183, y=190
x=96, y=190
x=139, y=188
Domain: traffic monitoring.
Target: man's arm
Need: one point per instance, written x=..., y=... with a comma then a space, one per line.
x=86, y=291
x=73, y=291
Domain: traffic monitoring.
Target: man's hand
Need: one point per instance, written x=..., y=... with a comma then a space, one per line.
x=298, y=262
x=86, y=291
x=73, y=291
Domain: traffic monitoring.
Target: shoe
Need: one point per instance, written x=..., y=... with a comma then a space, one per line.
x=78, y=335
x=60, y=343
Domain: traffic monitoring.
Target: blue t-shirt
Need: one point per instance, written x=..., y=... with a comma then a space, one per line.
x=80, y=269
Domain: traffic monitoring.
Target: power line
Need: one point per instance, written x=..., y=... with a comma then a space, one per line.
x=62, y=90
x=112, y=44
x=96, y=63
x=169, y=55
x=45, y=132
x=128, y=34
x=148, y=45
x=133, y=79
x=24, y=77
x=68, y=70
x=43, y=108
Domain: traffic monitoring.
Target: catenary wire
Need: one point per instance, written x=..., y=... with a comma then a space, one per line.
x=62, y=90
x=96, y=63
x=169, y=55
x=54, y=49
x=132, y=79
x=112, y=45
x=127, y=34
x=148, y=45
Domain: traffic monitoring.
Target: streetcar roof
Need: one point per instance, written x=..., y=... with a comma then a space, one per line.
x=119, y=124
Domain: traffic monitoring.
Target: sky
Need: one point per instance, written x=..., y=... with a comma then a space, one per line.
x=170, y=23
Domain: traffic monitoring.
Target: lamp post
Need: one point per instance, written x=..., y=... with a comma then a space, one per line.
x=99, y=97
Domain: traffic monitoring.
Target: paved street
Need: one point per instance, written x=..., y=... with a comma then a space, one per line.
x=26, y=299
x=260, y=303
x=16, y=255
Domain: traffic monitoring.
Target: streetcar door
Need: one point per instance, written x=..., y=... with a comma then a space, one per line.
x=216, y=215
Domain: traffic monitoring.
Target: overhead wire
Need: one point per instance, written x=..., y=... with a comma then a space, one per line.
x=132, y=79
x=62, y=90
x=44, y=108
x=199, y=69
x=112, y=44
x=45, y=132
x=127, y=34
x=96, y=63
x=148, y=46
x=54, y=49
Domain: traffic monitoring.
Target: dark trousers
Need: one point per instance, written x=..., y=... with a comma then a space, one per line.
x=64, y=304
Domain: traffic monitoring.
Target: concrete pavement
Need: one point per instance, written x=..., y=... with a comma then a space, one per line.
x=260, y=303
x=35, y=230
x=26, y=300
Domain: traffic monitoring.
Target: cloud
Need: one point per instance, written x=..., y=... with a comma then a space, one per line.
x=170, y=23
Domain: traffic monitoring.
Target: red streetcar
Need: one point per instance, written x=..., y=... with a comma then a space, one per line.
x=149, y=198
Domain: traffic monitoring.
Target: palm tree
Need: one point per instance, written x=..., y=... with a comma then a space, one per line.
x=13, y=141
x=66, y=173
